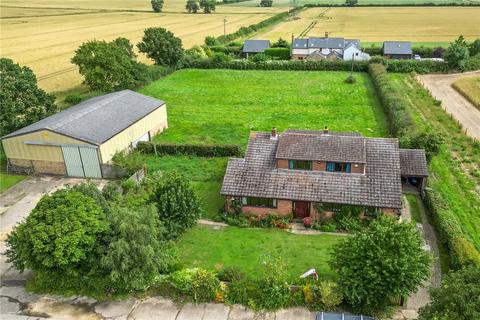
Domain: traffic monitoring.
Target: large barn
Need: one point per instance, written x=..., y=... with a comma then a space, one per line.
x=81, y=140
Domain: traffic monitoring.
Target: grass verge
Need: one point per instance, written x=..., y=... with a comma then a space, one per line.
x=454, y=172
x=414, y=209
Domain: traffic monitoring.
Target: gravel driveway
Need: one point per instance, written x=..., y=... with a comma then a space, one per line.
x=440, y=86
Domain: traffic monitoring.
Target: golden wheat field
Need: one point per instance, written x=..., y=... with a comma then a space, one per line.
x=417, y=24
x=44, y=34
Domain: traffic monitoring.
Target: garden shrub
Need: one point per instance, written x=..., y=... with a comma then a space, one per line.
x=177, y=203
x=330, y=295
x=230, y=274
x=272, y=291
x=259, y=57
x=72, y=99
x=216, y=150
x=129, y=163
x=204, y=286
x=427, y=140
x=182, y=280
x=239, y=290
x=270, y=220
x=278, y=53
x=89, y=189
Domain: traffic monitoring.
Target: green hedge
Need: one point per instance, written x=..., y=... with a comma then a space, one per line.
x=424, y=52
x=278, y=53
x=229, y=50
x=462, y=252
x=246, y=31
x=216, y=150
x=395, y=106
x=322, y=65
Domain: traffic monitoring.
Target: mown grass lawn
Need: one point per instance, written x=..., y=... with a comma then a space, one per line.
x=204, y=246
x=454, y=172
x=414, y=209
x=9, y=180
x=223, y=106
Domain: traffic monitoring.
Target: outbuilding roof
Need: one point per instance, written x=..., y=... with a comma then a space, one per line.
x=397, y=47
x=97, y=119
x=413, y=163
x=257, y=176
x=255, y=46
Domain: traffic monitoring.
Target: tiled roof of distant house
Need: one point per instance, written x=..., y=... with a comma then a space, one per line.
x=255, y=46
x=324, y=43
x=397, y=47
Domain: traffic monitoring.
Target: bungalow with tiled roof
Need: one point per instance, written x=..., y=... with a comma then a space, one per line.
x=293, y=171
x=327, y=48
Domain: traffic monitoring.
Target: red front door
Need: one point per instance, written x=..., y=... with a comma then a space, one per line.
x=301, y=209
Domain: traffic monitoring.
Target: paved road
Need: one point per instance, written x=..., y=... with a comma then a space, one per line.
x=440, y=85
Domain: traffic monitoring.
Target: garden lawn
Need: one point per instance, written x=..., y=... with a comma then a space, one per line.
x=205, y=175
x=414, y=209
x=206, y=247
x=223, y=106
x=455, y=171
x=9, y=180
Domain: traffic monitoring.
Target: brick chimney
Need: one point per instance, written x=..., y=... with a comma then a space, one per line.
x=273, y=135
x=326, y=34
x=325, y=130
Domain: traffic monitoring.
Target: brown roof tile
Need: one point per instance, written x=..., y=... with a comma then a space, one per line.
x=413, y=163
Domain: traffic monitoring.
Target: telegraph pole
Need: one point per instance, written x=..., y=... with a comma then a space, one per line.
x=224, y=26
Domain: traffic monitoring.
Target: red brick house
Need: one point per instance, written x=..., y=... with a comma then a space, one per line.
x=291, y=172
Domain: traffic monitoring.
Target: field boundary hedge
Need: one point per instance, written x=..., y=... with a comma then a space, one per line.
x=251, y=29
x=214, y=150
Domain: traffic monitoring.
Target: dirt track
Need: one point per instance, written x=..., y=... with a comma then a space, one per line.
x=440, y=85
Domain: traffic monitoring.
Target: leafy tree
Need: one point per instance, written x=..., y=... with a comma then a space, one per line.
x=136, y=253
x=266, y=3
x=438, y=52
x=177, y=204
x=457, y=298
x=351, y=3
x=457, y=54
x=109, y=66
x=427, y=140
x=21, y=101
x=157, y=5
x=384, y=260
x=60, y=233
x=208, y=6
x=474, y=47
x=89, y=189
x=192, y=6
x=162, y=46
x=281, y=43
x=211, y=41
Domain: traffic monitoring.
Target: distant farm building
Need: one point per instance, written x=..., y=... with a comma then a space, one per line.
x=251, y=47
x=397, y=49
x=81, y=140
x=327, y=49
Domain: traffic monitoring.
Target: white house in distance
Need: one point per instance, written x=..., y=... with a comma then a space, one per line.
x=327, y=48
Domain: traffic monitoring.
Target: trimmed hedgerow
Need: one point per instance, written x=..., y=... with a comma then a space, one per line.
x=462, y=252
x=216, y=150
x=278, y=53
x=400, y=121
x=297, y=65
x=246, y=31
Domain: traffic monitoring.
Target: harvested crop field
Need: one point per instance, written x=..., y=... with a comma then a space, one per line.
x=45, y=38
x=469, y=87
x=417, y=24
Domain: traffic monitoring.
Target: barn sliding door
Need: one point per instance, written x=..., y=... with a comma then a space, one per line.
x=81, y=162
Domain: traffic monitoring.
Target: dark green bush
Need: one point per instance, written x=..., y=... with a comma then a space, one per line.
x=73, y=99
x=216, y=150
x=278, y=53
x=463, y=253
